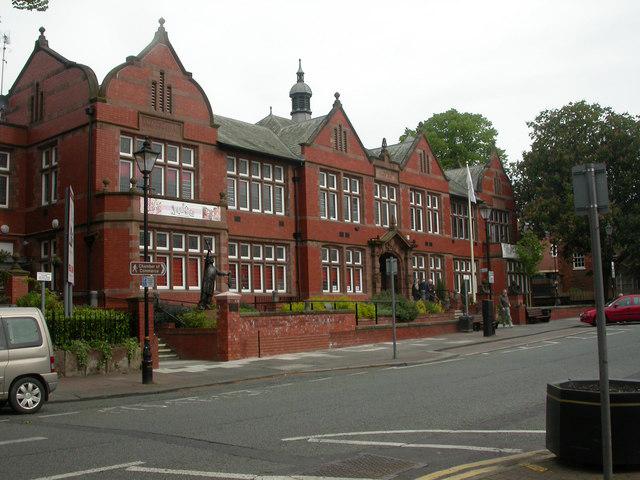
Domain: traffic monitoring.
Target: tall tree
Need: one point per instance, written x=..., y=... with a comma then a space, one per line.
x=459, y=138
x=530, y=251
x=39, y=5
x=576, y=134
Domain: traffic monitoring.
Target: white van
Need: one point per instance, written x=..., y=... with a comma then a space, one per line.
x=27, y=364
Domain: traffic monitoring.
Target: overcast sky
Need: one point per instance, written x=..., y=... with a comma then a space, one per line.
x=393, y=62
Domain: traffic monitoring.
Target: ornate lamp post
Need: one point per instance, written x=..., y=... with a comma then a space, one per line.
x=485, y=213
x=145, y=160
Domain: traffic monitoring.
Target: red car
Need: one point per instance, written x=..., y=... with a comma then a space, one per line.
x=623, y=309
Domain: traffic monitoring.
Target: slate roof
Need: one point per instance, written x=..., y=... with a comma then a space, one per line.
x=398, y=152
x=458, y=179
x=274, y=122
x=256, y=138
x=300, y=132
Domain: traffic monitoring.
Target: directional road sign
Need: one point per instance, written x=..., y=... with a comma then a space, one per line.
x=147, y=268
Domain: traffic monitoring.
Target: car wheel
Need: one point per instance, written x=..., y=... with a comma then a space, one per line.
x=26, y=395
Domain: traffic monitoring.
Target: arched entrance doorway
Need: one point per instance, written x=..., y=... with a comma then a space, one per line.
x=384, y=278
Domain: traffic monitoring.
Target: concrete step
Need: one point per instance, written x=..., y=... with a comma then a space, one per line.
x=165, y=352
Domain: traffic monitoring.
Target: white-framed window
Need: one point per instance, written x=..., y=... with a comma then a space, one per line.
x=330, y=269
x=462, y=268
x=4, y=178
x=353, y=270
x=460, y=220
x=183, y=255
x=49, y=176
x=257, y=267
x=432, y=211
x=385, y=203
x=419, y=265
x=416, y=210
x=578, y=261
x=254, y=186
x=350, y=199
x=173, y=175
x=328, y=183
x=499, y=227
x=436, y=268
x=516, y=276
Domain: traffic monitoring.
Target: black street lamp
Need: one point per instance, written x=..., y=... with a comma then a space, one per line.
x=485, y=213
x=146, y=160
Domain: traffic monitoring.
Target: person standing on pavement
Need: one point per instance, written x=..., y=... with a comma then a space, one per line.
x=505, y=310
x=423, y=290
x=415, y=290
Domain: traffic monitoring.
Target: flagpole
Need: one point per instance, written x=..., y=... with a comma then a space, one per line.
x=473, y=263
x=471, y=193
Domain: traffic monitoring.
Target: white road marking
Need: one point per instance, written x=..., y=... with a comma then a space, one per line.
x=132, y=408
x=235, y=476
x=4, y=420
x=401, y=432
x=319, y=379
x=22, y=440
x=425, y=364
x=92, y=470
x=357, y=373
x=57, y=414
x=281, y=385
x=417, y=445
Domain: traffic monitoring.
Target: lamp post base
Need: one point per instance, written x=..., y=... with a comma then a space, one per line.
x=147, y=363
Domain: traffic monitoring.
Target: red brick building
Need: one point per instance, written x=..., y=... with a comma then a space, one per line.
x=297, y=205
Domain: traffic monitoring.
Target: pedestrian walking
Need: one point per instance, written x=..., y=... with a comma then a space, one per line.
x=505, y=310
x=415, y=290
x=423, y=290
x=431, y=291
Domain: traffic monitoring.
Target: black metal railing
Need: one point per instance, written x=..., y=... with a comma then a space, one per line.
x=111, y=326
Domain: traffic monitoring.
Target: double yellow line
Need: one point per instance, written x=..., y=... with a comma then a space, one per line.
x=471, y=470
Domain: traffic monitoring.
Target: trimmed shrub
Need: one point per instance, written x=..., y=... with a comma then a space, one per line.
x=196, y=318
x=406, y=310
x=32, y=299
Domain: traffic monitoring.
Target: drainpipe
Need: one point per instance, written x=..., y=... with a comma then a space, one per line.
x=297, y=235
x=89, y=237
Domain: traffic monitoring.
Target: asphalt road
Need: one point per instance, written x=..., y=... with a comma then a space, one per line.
x=487, y=402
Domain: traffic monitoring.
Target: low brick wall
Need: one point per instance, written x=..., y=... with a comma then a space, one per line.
x=364, y=335
x=267, y=335
x=191, y=343
x=561, y=313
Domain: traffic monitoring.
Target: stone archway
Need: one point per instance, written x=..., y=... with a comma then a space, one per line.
x=393, y=244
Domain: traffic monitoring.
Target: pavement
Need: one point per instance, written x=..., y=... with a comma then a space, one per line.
x=186, y=374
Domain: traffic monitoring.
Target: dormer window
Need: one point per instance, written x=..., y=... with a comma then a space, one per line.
x=340, y=139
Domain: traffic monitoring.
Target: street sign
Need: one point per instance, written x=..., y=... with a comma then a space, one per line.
x=147, y=268
x=581, y=196
x=491, y=278
x=44, y=276
x=147, y=281
x=392, y=266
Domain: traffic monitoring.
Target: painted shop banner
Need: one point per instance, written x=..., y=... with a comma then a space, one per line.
x=172, y=208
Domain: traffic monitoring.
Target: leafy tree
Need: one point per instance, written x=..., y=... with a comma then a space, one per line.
x=576, y=134
x=39, y=5
x=530, y=251
x=459, y=138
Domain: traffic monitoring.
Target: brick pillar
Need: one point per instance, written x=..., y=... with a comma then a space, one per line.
x=16, y=284
x=136, y=309
x=228, y=325
x=518, y=311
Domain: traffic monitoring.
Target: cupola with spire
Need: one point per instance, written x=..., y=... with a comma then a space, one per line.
x=300, y=95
